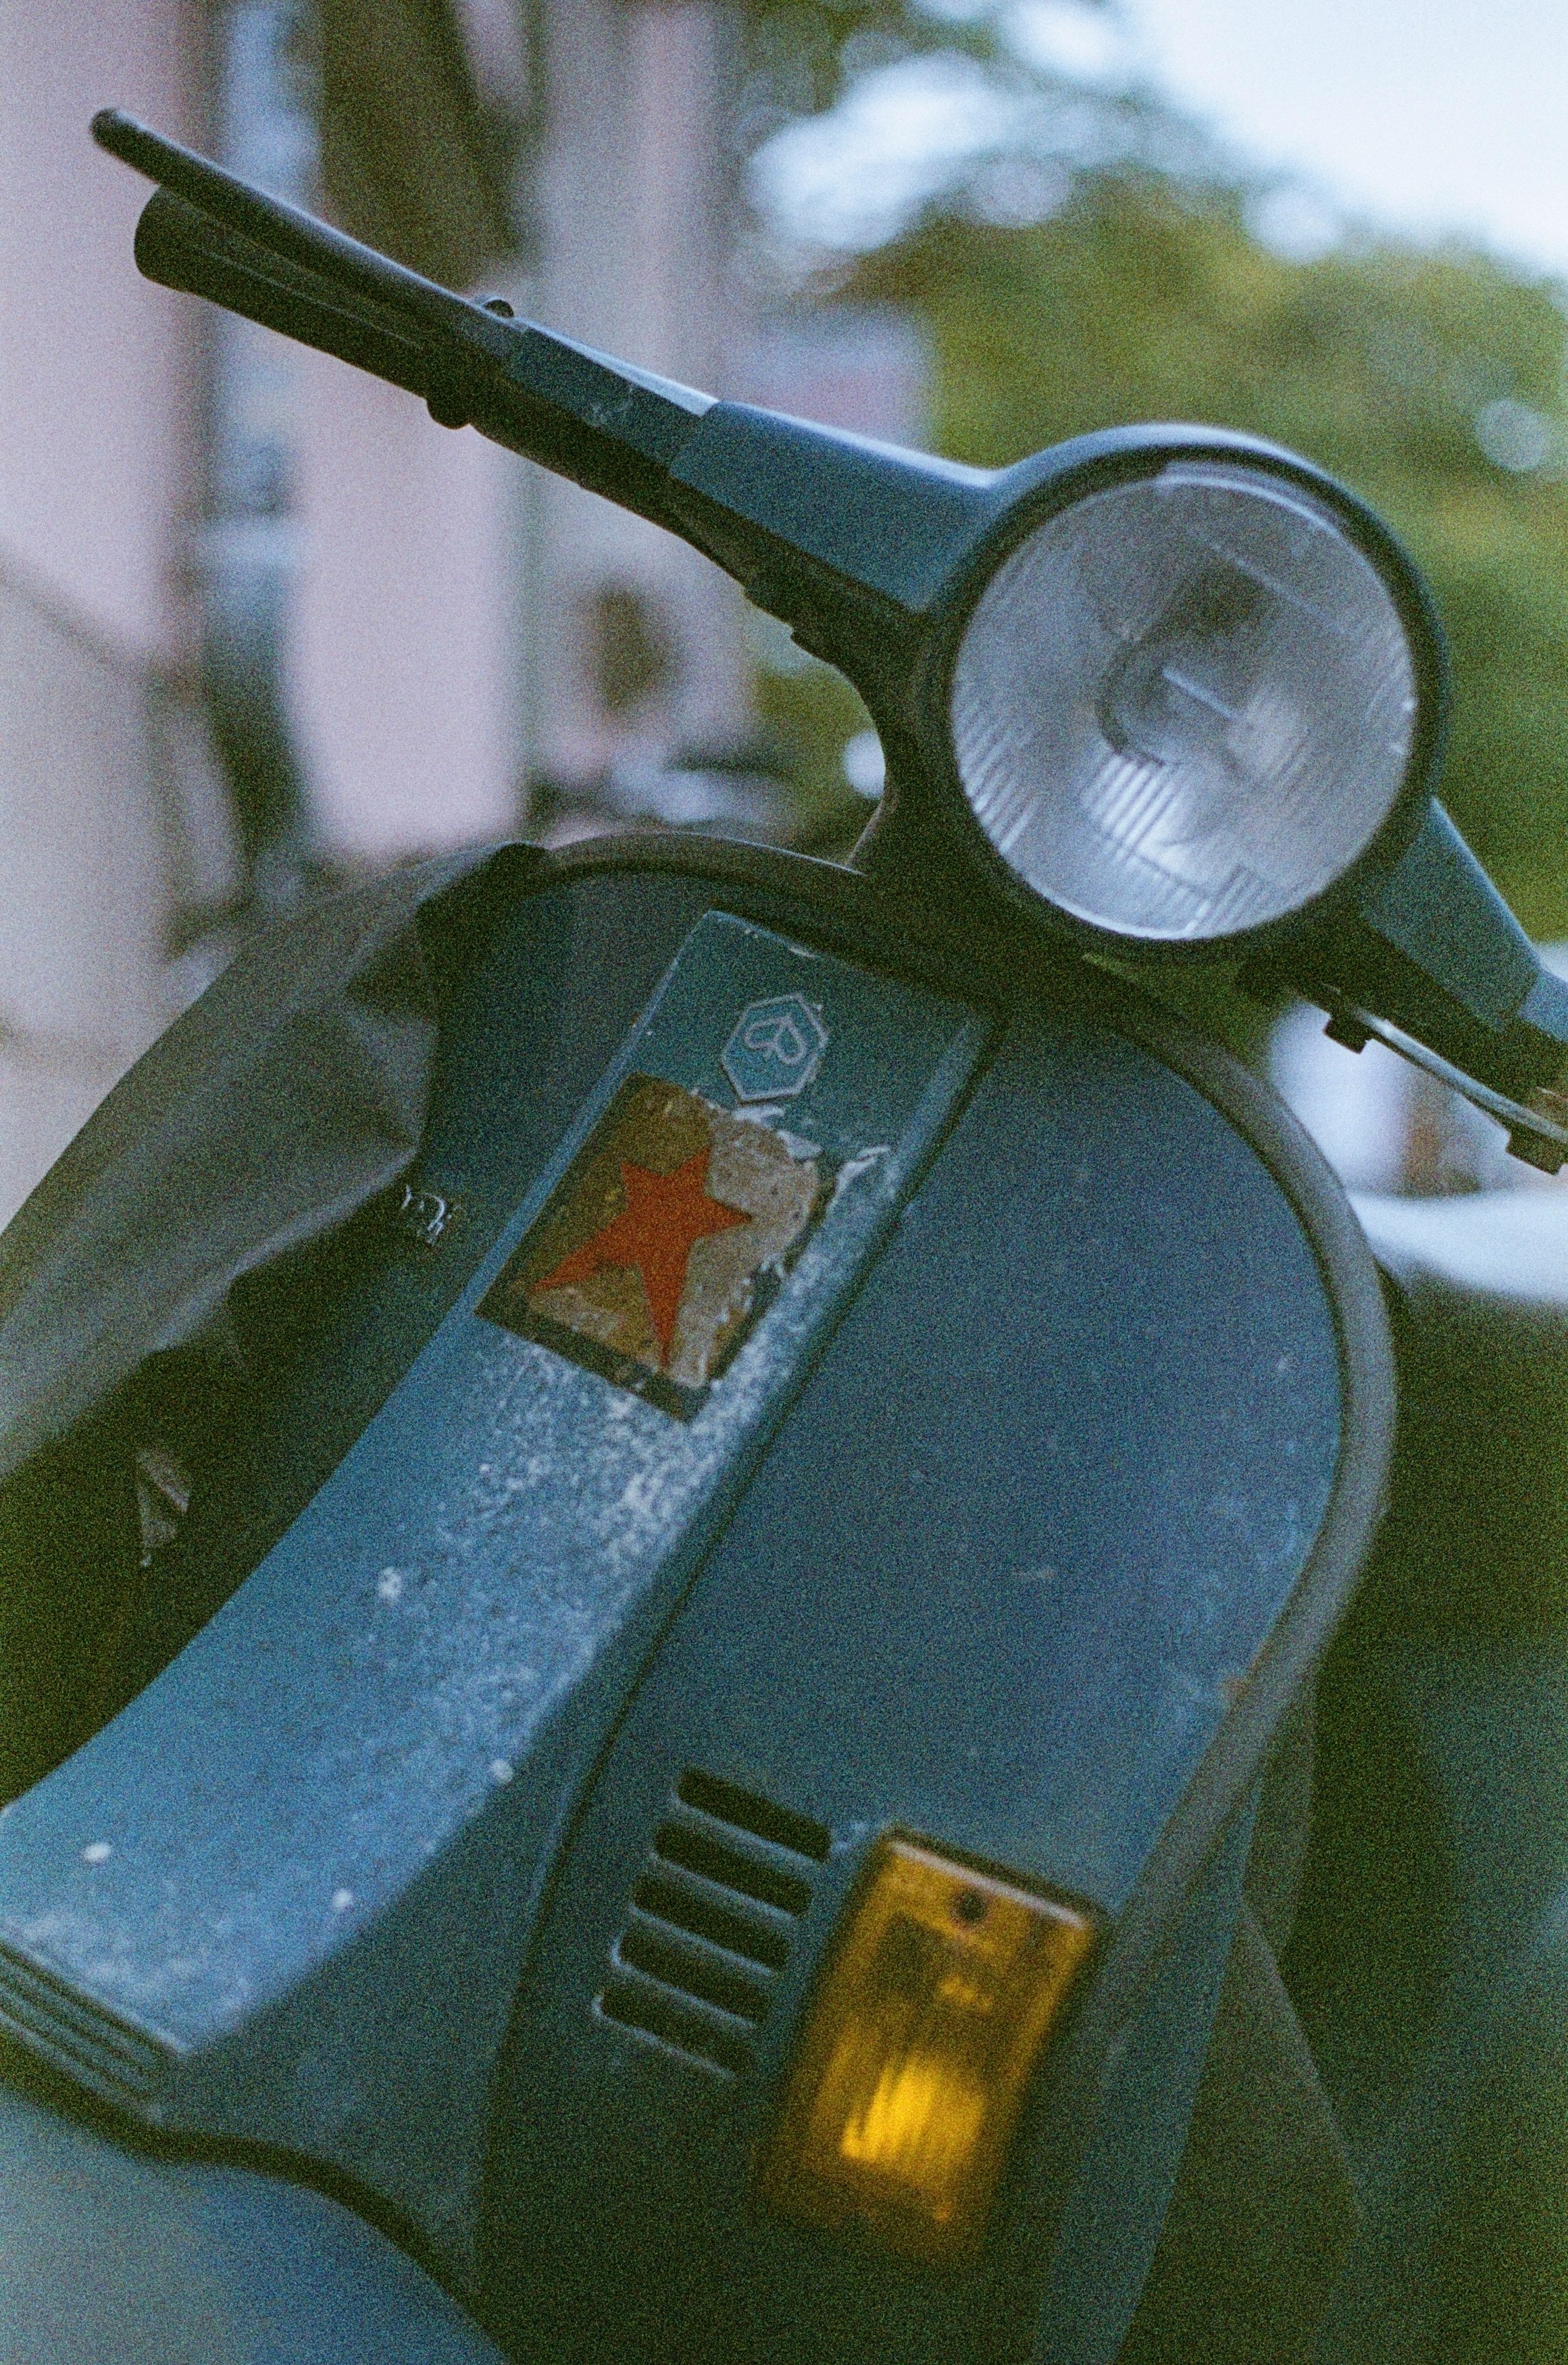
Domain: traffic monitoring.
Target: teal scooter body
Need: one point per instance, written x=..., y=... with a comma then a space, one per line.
x=576, y=1409
x=480, y=1676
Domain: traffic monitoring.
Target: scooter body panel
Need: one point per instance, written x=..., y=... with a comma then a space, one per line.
x=1020, y=1498
x=109, y=2258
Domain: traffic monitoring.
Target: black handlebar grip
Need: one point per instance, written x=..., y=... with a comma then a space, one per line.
x=180, y=246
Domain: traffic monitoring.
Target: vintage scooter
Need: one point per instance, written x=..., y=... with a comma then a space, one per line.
x=669, y=1512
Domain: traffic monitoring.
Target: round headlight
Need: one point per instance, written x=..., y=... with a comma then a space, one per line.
x=1185, y=705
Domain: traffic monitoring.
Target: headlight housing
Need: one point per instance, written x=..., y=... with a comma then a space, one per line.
x=1187, y=702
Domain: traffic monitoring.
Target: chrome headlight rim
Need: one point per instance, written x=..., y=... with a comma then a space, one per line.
x=1044, y=487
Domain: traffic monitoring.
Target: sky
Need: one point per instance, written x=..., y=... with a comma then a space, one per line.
x=1431, y=118
x=1427, y=116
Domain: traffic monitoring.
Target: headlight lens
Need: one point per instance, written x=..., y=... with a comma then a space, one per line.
x=1185, y=705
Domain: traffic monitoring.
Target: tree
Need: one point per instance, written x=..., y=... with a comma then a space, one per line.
x=1431, y=381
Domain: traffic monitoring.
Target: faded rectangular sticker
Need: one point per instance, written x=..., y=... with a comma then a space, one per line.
x=662, y=1243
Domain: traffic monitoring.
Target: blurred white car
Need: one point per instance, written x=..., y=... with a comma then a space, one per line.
x=1384, y=1126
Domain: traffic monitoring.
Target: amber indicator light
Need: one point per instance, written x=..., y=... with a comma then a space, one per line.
x=912, y=2067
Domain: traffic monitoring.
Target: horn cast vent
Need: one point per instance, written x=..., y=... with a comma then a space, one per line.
x=710, y=1922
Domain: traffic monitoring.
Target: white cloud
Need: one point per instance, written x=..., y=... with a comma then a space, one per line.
x=899, y=137
x=1300, y=224
x=1089, y=45
x=1428, y=118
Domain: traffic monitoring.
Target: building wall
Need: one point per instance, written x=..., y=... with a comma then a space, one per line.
x=405, y=666
x=98, y=388
x=634, y=206
x=440, y=642
x=96, y=623
x=403, y=680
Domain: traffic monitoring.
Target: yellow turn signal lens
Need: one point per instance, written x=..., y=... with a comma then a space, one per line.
x=914, y=2060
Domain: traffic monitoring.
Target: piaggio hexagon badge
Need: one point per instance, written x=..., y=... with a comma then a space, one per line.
x=775, y=1048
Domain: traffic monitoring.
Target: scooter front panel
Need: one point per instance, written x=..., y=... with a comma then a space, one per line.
x=1073, y=1366
x=997, y=1582
x=221, y=1912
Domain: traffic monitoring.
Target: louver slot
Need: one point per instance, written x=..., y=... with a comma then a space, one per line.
x=747, y=1812
x=693, y=1907
x=648, y=1945
x=48, y=2017
x=711, y=1922
x=726, y=1867
x=652, y=2012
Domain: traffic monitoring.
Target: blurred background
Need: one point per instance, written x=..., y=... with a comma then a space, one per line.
x=265, y=627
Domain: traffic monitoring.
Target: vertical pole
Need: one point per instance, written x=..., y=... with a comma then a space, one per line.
x=265, y=130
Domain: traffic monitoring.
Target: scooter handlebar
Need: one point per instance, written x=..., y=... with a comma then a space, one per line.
x=610, y=426
x=181, y=247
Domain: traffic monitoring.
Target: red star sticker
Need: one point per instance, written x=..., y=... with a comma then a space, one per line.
x=664, y=1218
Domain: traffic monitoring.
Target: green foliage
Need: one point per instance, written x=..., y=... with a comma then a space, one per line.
x=1143, y=299
x=810, y=712
x=798, y=56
